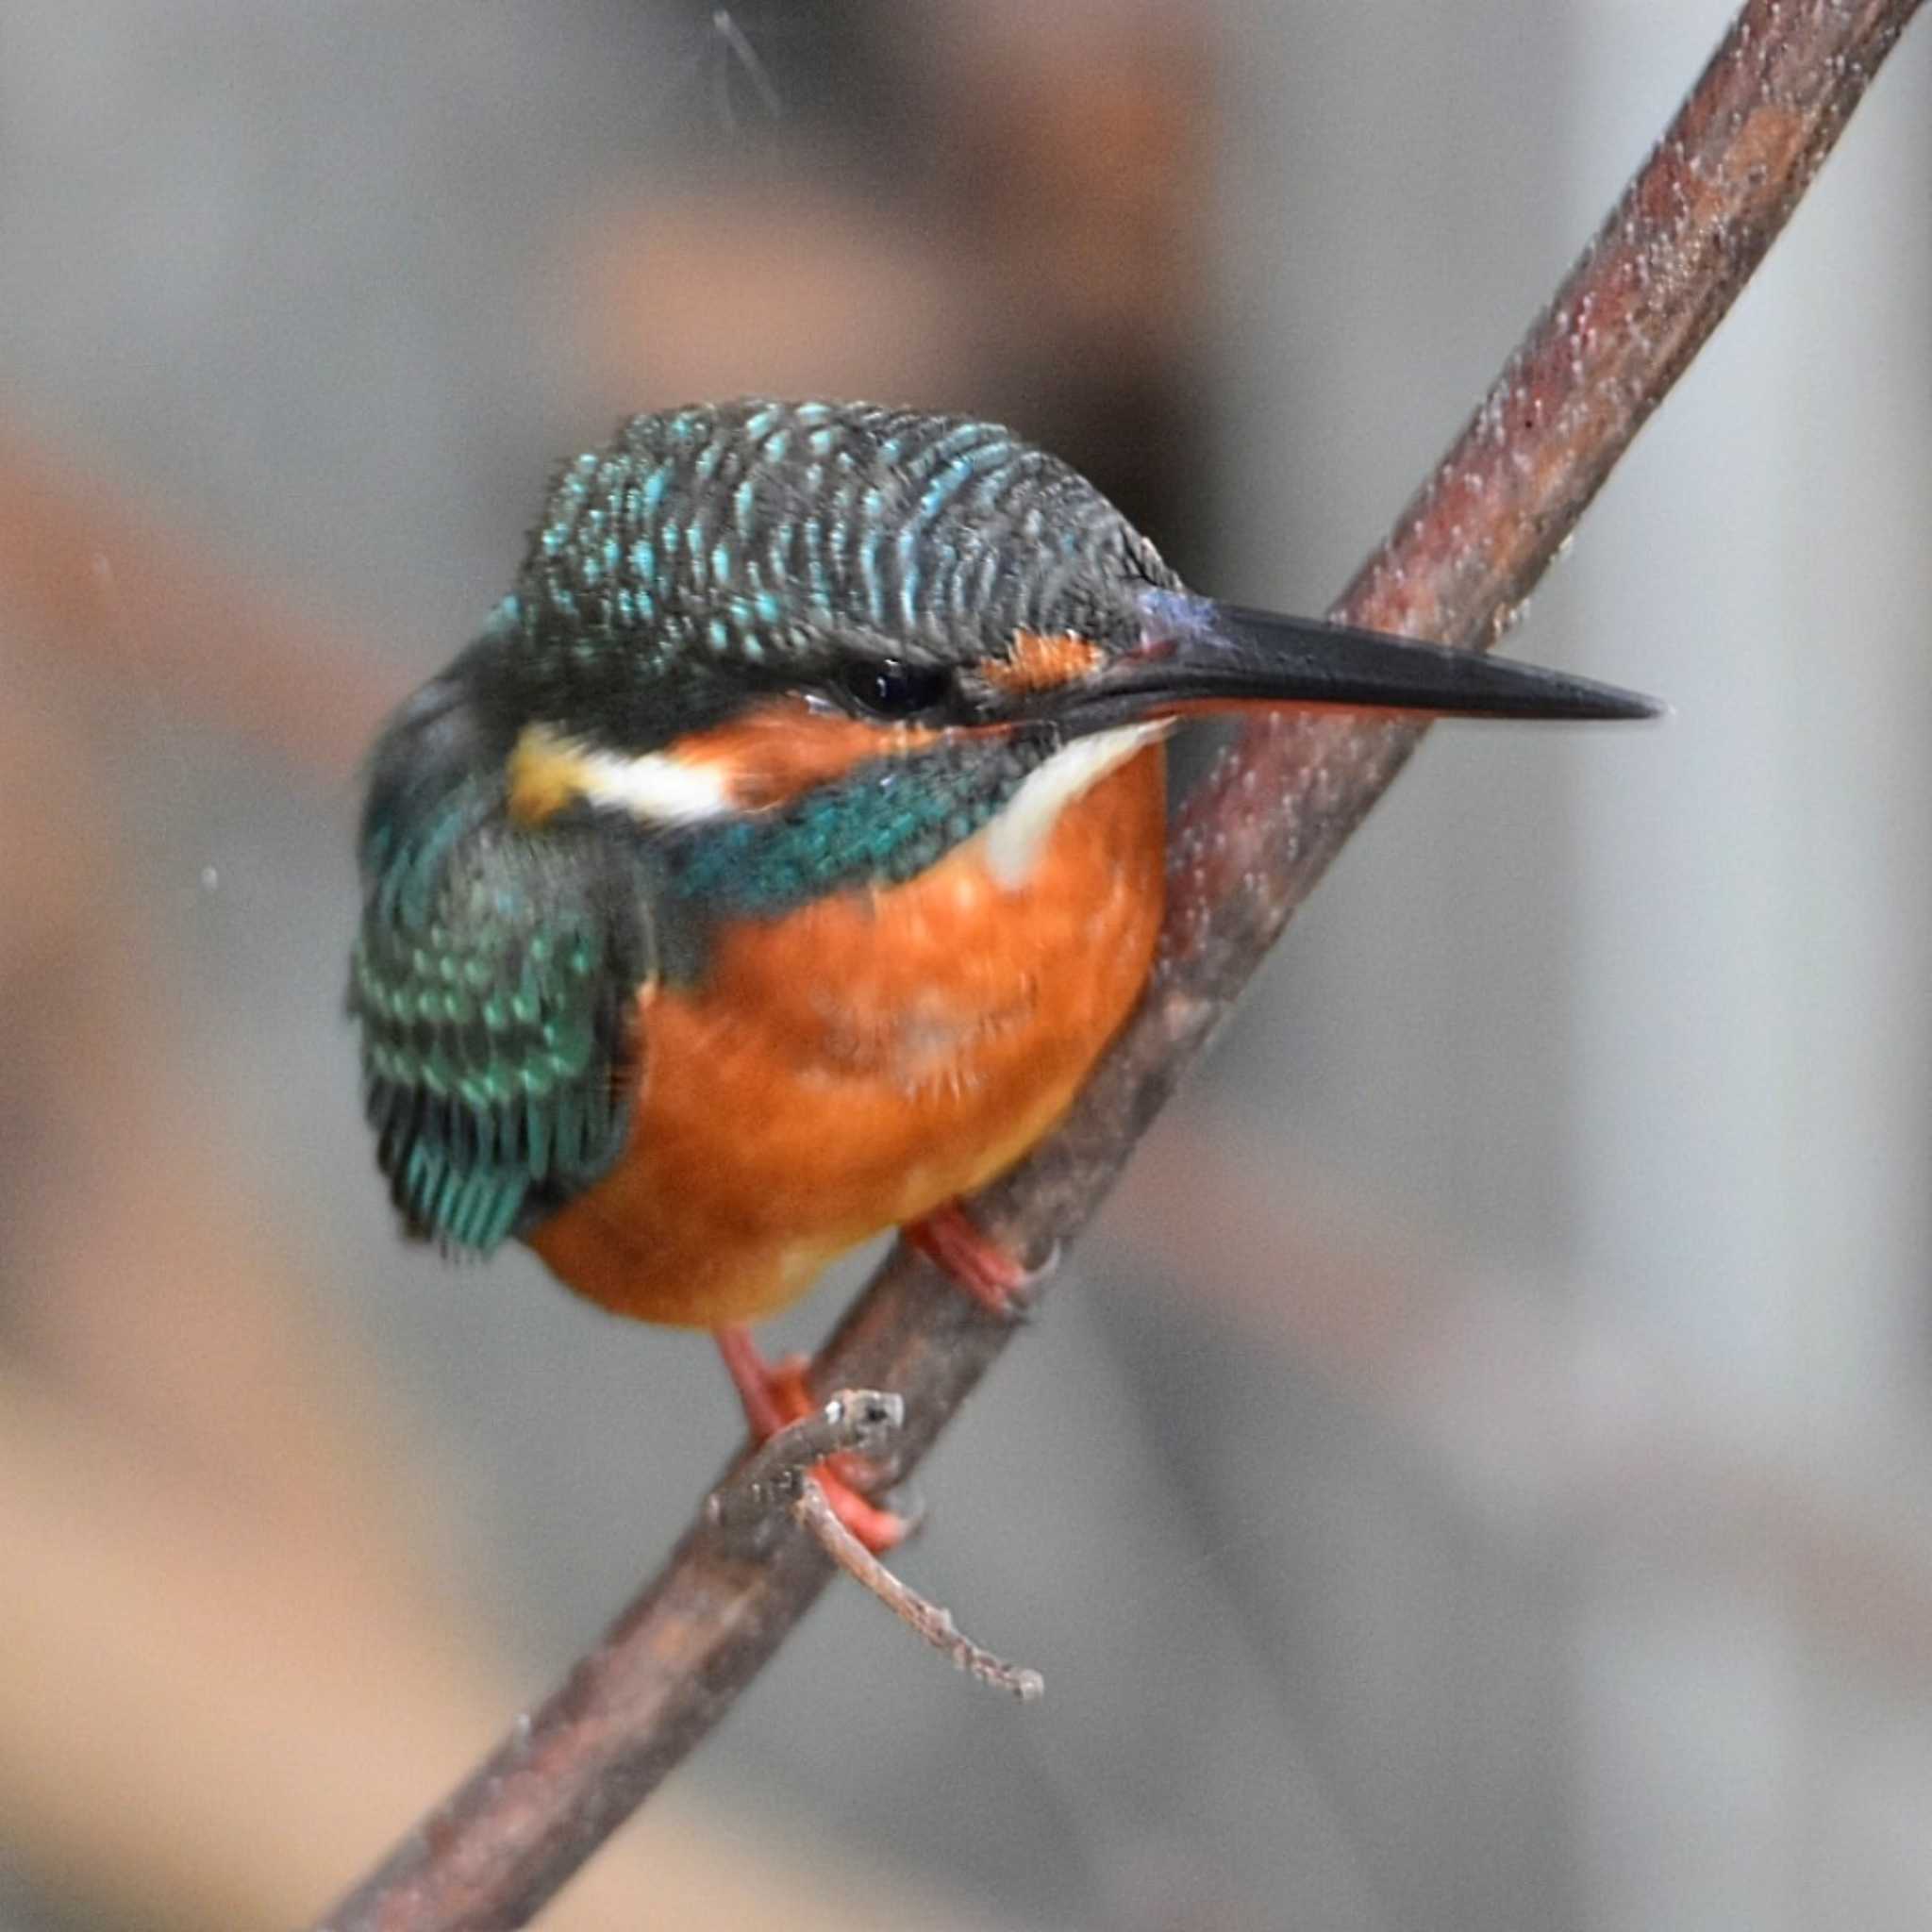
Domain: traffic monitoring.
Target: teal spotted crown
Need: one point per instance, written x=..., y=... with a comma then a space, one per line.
x=757, y=534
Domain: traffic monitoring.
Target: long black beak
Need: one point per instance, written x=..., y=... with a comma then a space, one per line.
x=1200, y=654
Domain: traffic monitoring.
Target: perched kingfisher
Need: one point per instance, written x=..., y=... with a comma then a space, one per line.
x=777, y=862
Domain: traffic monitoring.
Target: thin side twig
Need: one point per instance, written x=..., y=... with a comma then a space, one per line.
x=1254, y=839
x=775, y=1484
x=924, y=1618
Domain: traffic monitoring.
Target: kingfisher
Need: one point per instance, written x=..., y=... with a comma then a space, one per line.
x=774, y=866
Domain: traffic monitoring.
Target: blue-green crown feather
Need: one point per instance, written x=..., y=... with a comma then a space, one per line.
x=725, y=543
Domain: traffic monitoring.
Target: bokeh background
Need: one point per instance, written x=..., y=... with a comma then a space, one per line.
x=1478, y=1472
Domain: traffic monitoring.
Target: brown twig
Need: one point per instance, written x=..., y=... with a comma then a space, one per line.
x=776, y=1485
x=1251, y=841
x=757, y=1493
x=924, y=1619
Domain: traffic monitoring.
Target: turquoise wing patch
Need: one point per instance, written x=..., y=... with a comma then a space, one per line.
x=494, y=982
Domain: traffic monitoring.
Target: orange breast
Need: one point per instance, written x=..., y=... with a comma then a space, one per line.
x=851, y=1066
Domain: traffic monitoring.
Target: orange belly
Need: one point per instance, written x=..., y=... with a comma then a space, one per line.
x=853, y=1065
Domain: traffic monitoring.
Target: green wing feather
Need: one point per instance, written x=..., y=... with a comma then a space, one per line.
x=495, y=980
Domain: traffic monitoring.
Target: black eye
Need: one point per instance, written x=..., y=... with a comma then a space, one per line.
x=889, y=688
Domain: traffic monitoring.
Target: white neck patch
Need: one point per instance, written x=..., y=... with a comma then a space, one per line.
x=548, y=769
x=656, y=785
x=1016, y=838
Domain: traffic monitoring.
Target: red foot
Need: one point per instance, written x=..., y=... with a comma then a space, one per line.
x=773, y=1395
x=982, y=1269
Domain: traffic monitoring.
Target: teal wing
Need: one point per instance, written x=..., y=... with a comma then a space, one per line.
x=495, y=981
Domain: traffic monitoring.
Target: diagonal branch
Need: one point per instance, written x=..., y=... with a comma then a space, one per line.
x=1250, y=845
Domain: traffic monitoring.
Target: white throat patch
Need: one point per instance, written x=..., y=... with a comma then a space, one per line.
x=1016, y=838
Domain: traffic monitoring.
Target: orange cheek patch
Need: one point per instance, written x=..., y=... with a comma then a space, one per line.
x=1042, y=663
x=786, y=747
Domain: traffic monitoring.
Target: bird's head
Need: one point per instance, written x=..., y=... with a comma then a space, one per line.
x=735, y=608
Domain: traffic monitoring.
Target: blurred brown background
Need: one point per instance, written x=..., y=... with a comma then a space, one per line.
x=1478, y=1475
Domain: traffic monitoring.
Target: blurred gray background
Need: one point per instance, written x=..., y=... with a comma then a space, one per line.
x=1476, y=1475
